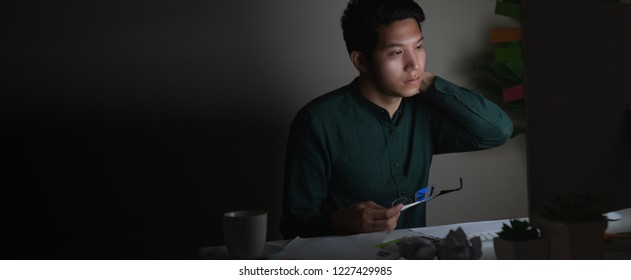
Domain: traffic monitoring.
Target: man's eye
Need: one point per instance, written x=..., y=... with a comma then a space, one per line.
x=398, y=52
x=419, y=47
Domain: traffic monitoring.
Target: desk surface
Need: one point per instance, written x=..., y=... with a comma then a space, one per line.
x=275, y=249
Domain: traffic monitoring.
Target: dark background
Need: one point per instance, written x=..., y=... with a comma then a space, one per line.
x=577, y=57
x=128, y=128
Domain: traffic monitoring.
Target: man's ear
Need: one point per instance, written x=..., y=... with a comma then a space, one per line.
x=359, y=61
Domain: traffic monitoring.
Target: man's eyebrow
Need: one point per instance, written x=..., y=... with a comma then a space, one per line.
x=392, y=45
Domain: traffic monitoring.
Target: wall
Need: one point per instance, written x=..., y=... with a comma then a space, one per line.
x=129, y=128
x=458, y=38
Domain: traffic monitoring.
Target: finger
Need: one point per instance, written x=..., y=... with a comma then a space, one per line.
x=390, y=212
x=378, y=218
x=395, y=209
x=372, y=210
x=374, y=223
x=392, y=223
x=382, y=224
x=377, y=225
x=387, y=224
x=382, y=214
x=373, y=205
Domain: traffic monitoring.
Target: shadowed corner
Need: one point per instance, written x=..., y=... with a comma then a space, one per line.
x=95, y=189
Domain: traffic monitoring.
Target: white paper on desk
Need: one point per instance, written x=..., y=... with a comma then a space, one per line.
x=350, y=247
x=469, y=228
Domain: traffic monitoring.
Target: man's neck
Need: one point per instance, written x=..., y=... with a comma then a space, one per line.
x=374, y=95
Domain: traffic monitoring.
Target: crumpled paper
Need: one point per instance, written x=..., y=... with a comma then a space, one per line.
x=417, y=248
x=455, y=246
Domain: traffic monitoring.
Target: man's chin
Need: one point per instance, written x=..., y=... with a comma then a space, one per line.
x=409, y=93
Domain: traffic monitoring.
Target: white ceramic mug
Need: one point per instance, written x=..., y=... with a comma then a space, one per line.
x=245, y=233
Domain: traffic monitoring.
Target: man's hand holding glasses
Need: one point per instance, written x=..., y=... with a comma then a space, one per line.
x=365, y=217
x=371, y=217
x=423, y=195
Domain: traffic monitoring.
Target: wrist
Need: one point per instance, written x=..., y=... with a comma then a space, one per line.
x=427, y=81
x=337, y=223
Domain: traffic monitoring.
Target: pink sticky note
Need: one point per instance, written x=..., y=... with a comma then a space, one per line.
x=513, y=93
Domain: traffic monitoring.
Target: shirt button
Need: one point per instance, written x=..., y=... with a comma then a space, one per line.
x=395, y=164
x=390, y=131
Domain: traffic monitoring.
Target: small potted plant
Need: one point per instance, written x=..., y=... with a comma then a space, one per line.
x=520, y=241
x=575, y=226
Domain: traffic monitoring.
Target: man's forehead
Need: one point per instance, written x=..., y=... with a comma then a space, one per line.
x=401, y=32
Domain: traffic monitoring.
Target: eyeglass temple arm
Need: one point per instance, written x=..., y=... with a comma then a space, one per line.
x=452, y=190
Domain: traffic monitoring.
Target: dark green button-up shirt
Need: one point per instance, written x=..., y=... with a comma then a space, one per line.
x=344, y=149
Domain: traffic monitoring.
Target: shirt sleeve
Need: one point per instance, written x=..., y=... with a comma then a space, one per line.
x=307, y=169
x=467, y=121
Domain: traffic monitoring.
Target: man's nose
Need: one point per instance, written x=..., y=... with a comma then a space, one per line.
x=412, y=61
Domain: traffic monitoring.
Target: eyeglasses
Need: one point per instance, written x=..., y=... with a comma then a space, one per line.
x=423, y=195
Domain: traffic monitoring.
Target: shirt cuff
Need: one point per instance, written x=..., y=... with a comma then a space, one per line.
x=442, y=86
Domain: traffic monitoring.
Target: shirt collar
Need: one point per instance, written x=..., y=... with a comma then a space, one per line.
x=354, y=86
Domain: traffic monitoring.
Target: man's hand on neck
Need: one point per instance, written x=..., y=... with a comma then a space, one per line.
x=427, y=80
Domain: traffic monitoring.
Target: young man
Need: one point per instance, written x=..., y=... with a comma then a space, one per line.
x=354, y=151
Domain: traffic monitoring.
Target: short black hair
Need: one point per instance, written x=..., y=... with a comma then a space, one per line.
x=362, y=18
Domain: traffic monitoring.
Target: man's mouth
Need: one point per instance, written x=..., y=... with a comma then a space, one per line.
x=413, y=80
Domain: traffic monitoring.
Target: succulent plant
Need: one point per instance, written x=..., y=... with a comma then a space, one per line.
x=518, y=231
x=573, y=208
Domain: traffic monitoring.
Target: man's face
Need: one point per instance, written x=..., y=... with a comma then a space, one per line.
x=398, y=61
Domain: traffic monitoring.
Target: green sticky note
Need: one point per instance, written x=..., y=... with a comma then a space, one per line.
x=499, y=74
x=508, y=9
x=508, y=54
x=504, y=75
x=516, y=67
x=503, y=70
